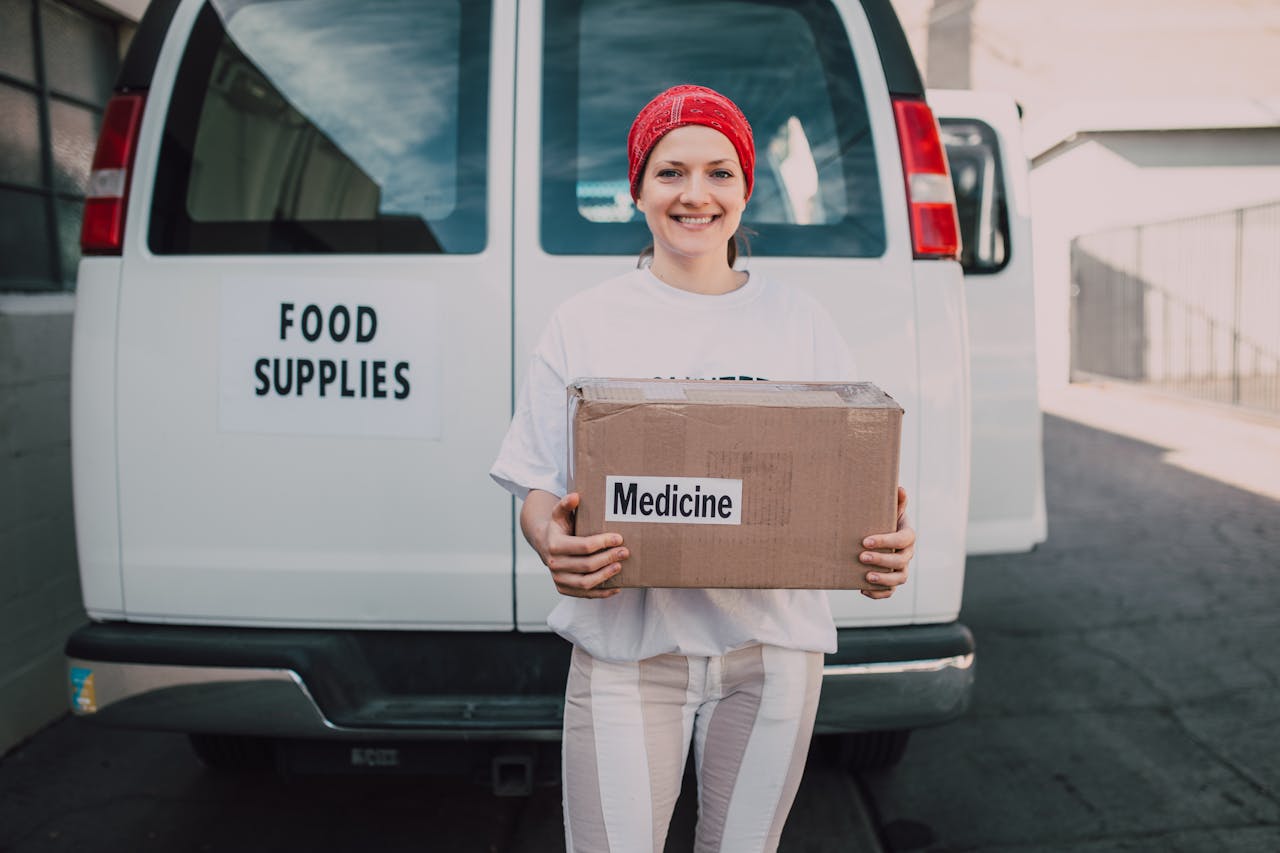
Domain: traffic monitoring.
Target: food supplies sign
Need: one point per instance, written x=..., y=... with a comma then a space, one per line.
x=329, y=357
x=673, y=500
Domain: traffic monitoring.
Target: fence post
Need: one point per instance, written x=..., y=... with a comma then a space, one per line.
x=1235, y=308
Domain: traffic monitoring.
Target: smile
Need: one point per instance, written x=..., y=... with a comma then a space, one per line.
x=693, y=220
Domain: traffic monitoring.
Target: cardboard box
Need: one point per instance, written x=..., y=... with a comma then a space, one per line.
x=735, y=484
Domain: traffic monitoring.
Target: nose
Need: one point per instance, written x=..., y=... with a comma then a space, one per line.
x=695, y=191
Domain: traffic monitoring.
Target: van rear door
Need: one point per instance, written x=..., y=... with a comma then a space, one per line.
x=983, y=136
x=314, y=332
x=827, y=209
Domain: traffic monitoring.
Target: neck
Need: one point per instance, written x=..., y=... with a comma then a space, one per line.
x=707, y=274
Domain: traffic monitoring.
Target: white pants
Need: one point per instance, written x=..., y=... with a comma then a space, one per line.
x=627, y=728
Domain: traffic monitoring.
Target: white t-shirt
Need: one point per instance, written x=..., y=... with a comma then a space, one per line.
x=636, y=326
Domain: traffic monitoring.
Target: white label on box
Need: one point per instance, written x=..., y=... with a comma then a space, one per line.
x=673, y=500
x=337, y=357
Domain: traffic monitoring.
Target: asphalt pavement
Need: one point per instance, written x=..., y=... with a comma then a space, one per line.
x=1127, y=699
x=1128, y=678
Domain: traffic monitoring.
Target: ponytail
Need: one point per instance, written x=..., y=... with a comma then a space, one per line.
x=738, y=245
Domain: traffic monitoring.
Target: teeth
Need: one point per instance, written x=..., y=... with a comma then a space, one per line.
x=694, y=220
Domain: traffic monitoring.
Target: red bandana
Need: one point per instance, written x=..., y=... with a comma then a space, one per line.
x=682, y=105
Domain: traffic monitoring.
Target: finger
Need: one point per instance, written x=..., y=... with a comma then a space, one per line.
x=581, y=545
x=895, y=562
x=877, y=593
x=572, y=583
x=562, y=513
x=886, y=579
x=898, y=540
x=588, y=593
x=586, y=564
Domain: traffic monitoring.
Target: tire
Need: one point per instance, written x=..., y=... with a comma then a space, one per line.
x=861, y=751
x=234, y=753
x=874, y=750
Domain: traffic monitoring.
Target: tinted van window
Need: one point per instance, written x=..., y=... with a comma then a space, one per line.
x=301, y=126
x=976, y=173
x=787, y=64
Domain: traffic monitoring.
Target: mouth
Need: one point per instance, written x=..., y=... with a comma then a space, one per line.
x=706, y=219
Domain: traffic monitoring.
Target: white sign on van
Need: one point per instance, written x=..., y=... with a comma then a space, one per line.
x=343, y=357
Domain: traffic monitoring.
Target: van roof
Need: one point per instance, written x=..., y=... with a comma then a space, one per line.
x=900, y=70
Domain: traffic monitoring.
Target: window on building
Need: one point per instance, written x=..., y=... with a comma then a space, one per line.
x=57, y=66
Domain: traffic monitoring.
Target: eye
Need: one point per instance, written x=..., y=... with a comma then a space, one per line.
x=723, y=174
x=667, y=173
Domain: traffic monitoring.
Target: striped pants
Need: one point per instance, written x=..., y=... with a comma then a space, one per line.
x=627, y=729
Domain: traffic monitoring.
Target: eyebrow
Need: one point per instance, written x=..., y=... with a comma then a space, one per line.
x=710, y=163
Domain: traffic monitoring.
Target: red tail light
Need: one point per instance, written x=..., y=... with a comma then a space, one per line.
x=935, y=230
x=102, y=231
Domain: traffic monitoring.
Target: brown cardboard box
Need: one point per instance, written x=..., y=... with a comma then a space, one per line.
x=735, y=484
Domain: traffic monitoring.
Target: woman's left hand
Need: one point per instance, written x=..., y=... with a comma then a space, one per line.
x=890, y=569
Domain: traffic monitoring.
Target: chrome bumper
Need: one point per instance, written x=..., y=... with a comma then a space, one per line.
x=900, y=678
x=277, y=703
x=899, y=695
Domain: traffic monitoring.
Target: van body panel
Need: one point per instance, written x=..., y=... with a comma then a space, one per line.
x=1006, y=502
x=938, y=509
x=234, y=526
x=93, y=431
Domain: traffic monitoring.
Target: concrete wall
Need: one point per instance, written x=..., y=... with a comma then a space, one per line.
x=39, y=584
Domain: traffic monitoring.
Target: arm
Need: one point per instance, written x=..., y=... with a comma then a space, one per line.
x=890, y=569
x=578, y=564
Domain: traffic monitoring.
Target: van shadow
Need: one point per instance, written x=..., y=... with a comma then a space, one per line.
x=1122, y=690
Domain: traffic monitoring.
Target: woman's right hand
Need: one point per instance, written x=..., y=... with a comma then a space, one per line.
x=578, y=564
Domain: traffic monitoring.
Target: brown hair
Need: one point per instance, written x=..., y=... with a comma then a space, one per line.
x=739, y=244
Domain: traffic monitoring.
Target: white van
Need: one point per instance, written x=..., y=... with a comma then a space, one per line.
x=321, y=240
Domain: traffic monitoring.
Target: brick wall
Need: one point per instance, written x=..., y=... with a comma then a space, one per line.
x=39, y=585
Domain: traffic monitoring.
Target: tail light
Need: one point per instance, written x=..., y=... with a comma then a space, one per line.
x=102, y=231
x=935, y=229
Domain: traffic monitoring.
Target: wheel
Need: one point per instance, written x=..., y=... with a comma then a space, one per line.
x=234, y=753
x=874, y=750
x=861, y=751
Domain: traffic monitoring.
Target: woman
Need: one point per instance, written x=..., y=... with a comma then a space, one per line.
x=737, y=672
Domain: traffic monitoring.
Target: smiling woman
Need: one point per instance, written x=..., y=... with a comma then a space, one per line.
x=736, y=672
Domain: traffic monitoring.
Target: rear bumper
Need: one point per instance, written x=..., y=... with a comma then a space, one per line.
x=445, y=685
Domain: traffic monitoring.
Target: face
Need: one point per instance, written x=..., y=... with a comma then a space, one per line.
x=693, y=192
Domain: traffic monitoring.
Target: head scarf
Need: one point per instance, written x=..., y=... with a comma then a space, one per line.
x=680, y=106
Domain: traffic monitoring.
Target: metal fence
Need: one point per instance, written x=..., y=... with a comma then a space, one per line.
x=1190, y=306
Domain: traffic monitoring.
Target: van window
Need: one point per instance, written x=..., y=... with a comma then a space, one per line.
x=788, y=65
x=978, y=177
x=311, y=126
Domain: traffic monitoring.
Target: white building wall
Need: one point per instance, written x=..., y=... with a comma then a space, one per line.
x=1054, y=56
x=1048, y=53
x=1109, y=180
